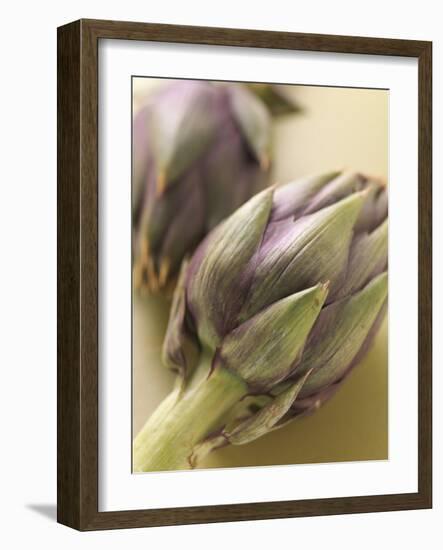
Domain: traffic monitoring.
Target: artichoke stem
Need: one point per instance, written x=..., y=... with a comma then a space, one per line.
x=184, y=420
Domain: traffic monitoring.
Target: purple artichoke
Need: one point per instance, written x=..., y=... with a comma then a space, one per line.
x=275, y=308
x=200, y=150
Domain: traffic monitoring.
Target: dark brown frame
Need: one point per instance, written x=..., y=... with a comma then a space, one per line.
x=77, y=456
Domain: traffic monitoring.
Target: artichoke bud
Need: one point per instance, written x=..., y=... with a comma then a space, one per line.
x=264, y=349
x=284, y=297
x=200, y=151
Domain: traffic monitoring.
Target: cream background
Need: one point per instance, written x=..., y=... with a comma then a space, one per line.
x=337, y=128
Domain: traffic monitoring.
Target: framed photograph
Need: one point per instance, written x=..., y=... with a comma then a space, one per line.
x=244, y=274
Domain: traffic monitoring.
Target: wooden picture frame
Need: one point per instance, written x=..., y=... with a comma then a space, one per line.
x=77, y=228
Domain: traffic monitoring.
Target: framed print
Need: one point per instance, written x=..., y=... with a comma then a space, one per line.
x=235, y=208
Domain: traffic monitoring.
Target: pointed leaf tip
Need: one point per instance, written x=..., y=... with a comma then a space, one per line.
x=263, y=349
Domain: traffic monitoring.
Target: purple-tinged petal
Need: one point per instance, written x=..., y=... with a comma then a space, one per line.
x=253, y=120
x=313, y=249
x=232, y=174
x=184, y=121
x=338, y=335
x=337, y=189
x=186, y=227
x=308, y=405
x=291, y=199
x=368, y=258
x=375, y=209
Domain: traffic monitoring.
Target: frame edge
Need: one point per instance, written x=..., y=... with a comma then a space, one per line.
x=68, y=275
x=425, y=273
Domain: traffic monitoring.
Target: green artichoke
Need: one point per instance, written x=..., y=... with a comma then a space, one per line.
x=271, y=314
x=200, y=150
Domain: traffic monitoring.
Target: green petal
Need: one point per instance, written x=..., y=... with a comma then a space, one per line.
x=215, y=292
x=313, y=249
x=266, y=419
x=264, y=349
x=254, y=120
x=339, y=334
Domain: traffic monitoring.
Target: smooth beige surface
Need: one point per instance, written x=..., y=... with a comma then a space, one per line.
x=338, y=128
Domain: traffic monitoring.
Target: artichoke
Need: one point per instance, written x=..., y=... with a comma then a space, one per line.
x=271, y=314
x=200, y=150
